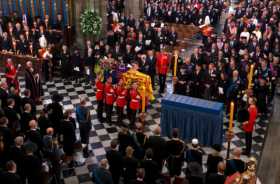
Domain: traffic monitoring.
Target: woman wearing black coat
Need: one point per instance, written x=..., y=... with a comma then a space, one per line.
x=66, y=64
x=68, y=127
x=55, y=111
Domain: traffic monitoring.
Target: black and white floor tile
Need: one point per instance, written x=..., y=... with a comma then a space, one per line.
x=101, y=133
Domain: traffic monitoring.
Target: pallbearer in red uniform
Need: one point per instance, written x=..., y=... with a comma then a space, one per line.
x=162, y=69
x=109, y=99
x=11, y=74
x=99, y=97
x=121, y=100
x=134, y=103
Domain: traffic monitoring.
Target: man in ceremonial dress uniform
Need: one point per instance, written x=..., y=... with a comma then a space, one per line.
x=99, y=97
x=162, y=69
x=109, y=99
x=121, y=93
x=134, y=103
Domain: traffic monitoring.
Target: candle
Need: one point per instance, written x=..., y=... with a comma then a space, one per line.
x=143, y=99
x=175, y=63
x=231, y=115
x=250, y=76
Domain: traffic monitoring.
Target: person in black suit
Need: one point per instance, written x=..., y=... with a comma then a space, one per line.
x=68, y=127
x=235, y=164
x=12, y=116
x=3, y=94
x=59, y=25
x=152, y=170
x=17, y=98
x=149, y=67
x=195, y=153
x=172, y=37
x=140, y=139
x=32, y=167
x=211, y=81
x=22, y=45
x=130, y=164
x=9, y=176
x=158, y=145
x=28, y=100
x=213, y=159
x=218, y=177
x=115, y=161
x=55, y=112
x=197, y=83
x=43, y=121
x=66, y=65
x=16, y=153
x=78, y=65
x=125, y=139
x=33, y=135
x=6, y=139
x=26, y=117
x=176, y=148
x=6, y=43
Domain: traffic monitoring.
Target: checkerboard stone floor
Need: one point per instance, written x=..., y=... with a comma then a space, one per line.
x=101, y=133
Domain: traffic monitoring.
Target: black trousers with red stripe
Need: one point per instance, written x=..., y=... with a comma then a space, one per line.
x=109, y=110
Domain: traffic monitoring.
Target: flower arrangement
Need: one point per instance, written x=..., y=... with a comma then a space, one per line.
x=91, y=23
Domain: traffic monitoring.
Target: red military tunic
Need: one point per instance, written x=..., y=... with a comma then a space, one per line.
x=11, y=76
x=134, y=103
x=109, y=94
x=121, y=96
x=100, y=90
x=253, y=113
x=162, y=63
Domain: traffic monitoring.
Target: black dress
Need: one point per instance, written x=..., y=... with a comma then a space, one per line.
x=69, y=137
x=56, y=115
x=32, y=169
x=130, y=168
x=66, y=65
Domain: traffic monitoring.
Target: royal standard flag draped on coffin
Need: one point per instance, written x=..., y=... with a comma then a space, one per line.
x=143, y=80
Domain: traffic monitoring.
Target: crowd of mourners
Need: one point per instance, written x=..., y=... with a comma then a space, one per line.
x=184, y=11
x=34, y=148
x=24, y=36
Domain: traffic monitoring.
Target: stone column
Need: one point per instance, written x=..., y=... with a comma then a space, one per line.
x=103, y=14
x=78, y=9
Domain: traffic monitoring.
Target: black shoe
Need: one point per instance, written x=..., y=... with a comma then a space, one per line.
x=85, y=153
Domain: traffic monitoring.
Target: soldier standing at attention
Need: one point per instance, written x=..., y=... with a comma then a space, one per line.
x=162, y=69
x=134, y=103
x=99, y=97
x=109, y=99
x=121, y=93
